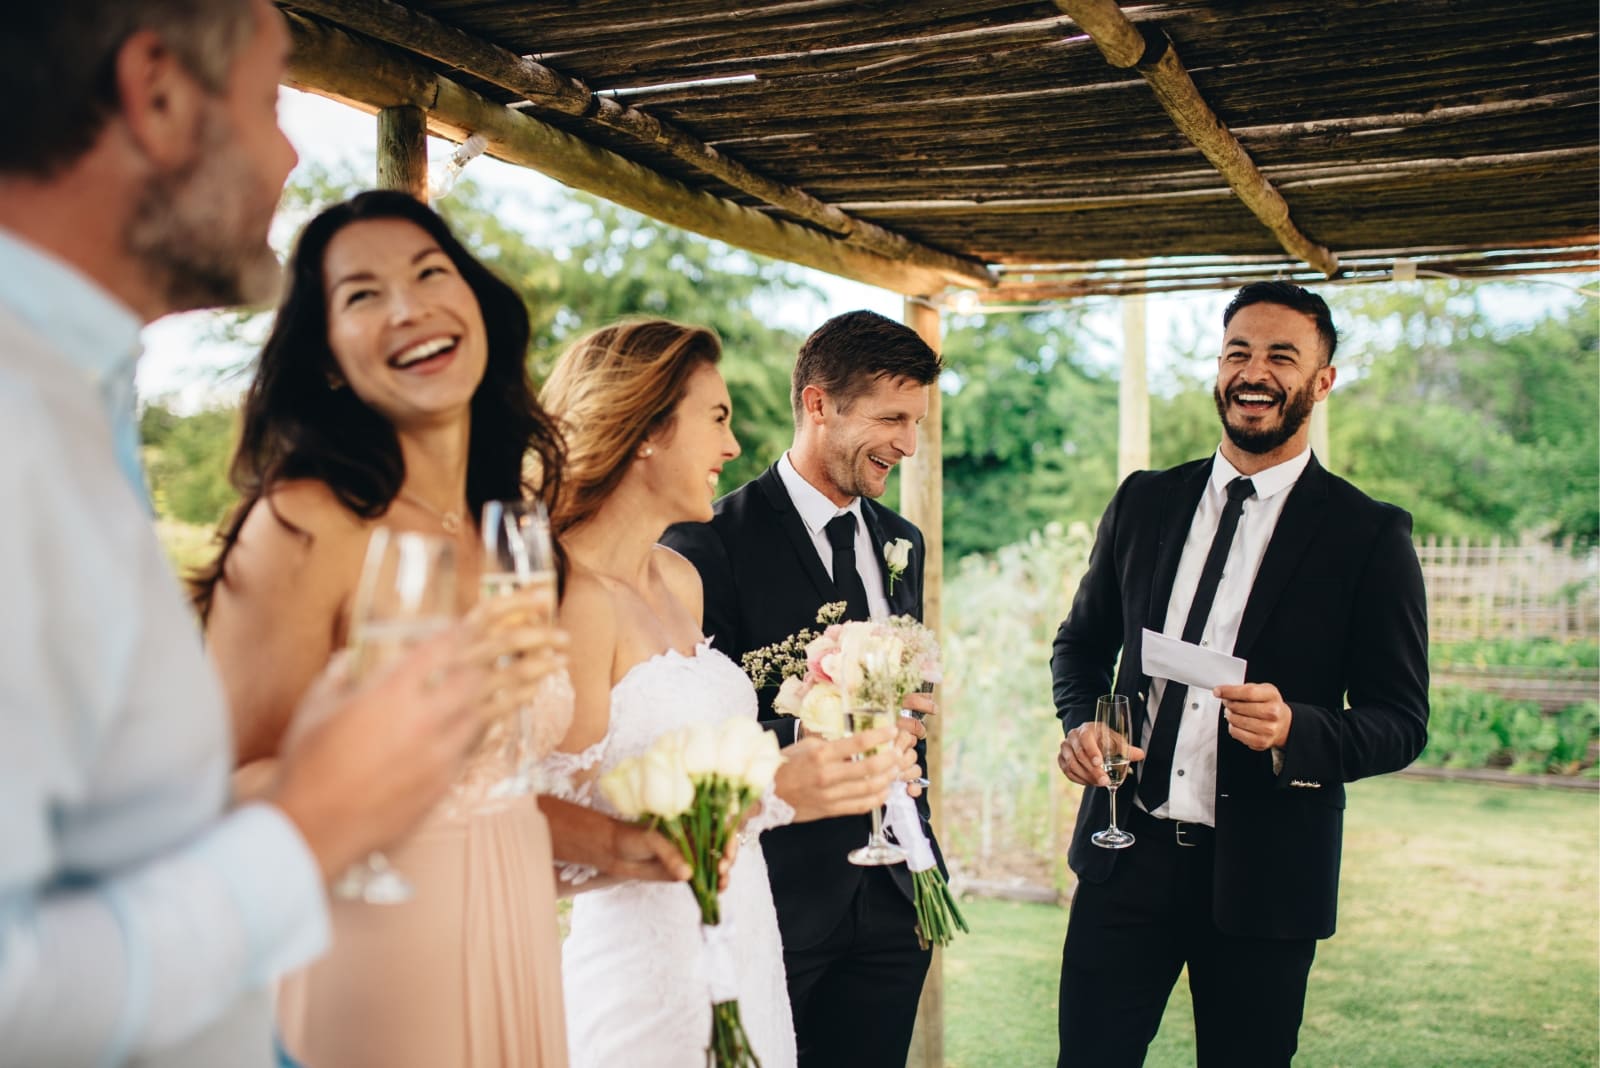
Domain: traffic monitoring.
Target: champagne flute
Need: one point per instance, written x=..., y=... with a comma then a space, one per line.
x=1111, y=732
x=518, y=555
x=407, y=594
x=878, y=850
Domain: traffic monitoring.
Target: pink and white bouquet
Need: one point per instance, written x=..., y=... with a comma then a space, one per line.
x=694, y=785
x=872, y=664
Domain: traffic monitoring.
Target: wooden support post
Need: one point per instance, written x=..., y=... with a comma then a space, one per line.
x=922, y=502
x=1133, y=392
x=1319, y=433
x=403, y=150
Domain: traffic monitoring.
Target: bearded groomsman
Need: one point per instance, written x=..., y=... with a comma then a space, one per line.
x=1238, y=807
x=807, y=532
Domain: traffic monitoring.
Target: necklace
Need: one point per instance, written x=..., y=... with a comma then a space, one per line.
x=449, y=520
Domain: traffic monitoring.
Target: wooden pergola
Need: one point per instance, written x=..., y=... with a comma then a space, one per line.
x=1017, y=152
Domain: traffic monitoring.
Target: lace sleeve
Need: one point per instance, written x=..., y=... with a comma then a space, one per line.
x=570, y=777
x=775, y=812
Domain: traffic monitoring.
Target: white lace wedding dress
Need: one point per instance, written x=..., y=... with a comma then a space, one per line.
x=637, y=989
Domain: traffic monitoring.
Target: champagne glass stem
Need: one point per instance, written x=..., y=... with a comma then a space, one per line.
x=1113, y=792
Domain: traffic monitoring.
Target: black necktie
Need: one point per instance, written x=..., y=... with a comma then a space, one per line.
x=846, y=579
x=1156, y=778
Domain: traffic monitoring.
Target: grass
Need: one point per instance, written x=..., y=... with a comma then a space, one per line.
x=1469, y=937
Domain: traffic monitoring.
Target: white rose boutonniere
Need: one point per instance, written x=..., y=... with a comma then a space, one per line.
x=896, y=555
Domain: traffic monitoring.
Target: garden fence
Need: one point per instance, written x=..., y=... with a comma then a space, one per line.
x=1530, y=589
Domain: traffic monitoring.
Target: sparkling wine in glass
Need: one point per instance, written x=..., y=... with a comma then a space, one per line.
x=518, y=555
x=407, y=594
x=879, y=850
x=1111, y=732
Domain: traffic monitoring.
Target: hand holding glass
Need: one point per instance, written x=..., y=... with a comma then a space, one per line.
x=518, y=555
x=407, y=593
x=1111, y=734
x=878, y=850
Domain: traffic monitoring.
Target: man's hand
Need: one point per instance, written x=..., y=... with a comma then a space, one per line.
x=1081, y=757
x=362, y=765
x=819, y=778
x=1256, y=714
x=912, y=731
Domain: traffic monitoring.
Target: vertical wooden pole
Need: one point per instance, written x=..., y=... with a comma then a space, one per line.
x=1319, y=433
x=922, y=502
x=403, y=150
x=1133, y=392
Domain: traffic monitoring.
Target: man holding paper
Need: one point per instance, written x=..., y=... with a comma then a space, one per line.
x=1272, y=628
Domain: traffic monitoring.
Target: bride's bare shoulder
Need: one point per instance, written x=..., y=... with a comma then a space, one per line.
x=680, y=576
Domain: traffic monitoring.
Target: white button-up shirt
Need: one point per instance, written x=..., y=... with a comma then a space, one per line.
x=140, y=923
x=1193, y=794
x=815, y=511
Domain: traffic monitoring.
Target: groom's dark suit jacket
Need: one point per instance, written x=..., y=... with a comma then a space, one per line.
x=764, y=582
x=1337, y=612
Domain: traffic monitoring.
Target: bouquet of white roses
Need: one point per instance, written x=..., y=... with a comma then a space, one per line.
x=694, y=785
x=870, y=664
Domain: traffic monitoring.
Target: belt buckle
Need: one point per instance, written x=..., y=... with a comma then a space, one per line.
x=1178, y=828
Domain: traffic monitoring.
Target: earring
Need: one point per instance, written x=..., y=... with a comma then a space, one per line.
x=647, y=450
x=335, y=381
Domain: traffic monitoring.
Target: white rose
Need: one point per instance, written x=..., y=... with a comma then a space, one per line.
x=737, y=739
x=698, y=746
x=665, y=788
x=787, y=701
x=855, y=639
x=620, y=786
x=822, y=711
x=897, y=554
x=764, y=763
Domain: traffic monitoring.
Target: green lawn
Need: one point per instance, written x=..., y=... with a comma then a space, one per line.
x=1469, y=937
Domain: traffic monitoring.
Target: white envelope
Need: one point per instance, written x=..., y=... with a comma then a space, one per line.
x=1169, y=658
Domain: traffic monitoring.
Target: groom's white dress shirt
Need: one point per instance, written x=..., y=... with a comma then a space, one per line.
x=815, y=511
x=140, y=922
x=1193, y=794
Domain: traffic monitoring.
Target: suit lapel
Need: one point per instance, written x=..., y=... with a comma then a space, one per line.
x=1181, y=505
x=1300, y=520
x=899, y=598
x=771, y=485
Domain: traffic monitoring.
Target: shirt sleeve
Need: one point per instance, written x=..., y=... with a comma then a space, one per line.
x=134, y=912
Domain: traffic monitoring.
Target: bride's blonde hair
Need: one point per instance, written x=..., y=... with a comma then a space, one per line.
x=610, y=391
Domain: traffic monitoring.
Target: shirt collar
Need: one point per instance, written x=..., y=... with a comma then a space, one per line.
x=96, y=333
x=813, y=505
x=1268, y=483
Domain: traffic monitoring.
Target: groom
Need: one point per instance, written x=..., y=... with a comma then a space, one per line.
x=806, y=532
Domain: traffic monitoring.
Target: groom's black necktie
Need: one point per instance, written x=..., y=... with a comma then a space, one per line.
x=846, y=579
x=1156, y=778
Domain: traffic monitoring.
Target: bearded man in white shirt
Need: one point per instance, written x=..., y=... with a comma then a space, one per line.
x=1237, y=810
x=139, y=920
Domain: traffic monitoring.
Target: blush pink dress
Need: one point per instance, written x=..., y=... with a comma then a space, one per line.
x=467, y=974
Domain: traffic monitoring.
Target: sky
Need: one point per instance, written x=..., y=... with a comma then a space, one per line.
x=182, y=361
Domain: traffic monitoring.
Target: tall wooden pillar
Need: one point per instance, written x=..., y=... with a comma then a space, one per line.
x=1319, y=433
x=403, y=150
x=1133, y=392
x=922, y=502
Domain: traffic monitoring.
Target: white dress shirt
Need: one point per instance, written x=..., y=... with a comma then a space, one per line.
x=815, y=511
x=1193, y=794
x=140, y=923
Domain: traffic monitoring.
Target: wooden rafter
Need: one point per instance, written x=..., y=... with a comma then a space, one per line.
x=402, y=27
x=1125, y=47
x=331, y=62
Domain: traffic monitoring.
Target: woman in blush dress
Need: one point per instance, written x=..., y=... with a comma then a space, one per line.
x=647, y=420
x=393, y=390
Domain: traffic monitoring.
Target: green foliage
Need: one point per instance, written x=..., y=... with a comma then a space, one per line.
x=186, y=460
x=1478, y=430
x=1517, y=652
x=1030, y=430
x=1000, y=617
x=1471, y=729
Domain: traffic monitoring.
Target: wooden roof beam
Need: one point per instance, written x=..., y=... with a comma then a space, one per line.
x=337, y=64
x=402, y=27
x=1125, y=47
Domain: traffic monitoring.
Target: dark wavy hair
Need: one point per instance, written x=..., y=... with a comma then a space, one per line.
x=295, y=425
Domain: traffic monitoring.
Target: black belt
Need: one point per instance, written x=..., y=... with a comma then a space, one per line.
x=1182, y=834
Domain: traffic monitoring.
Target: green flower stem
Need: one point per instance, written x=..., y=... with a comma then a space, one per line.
x=938, y=916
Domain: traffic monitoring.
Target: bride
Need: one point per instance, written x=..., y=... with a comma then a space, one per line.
x=647, y=418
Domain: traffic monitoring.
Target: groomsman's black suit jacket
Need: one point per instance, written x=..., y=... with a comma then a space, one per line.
x=1337, y=610
x=763, y=582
